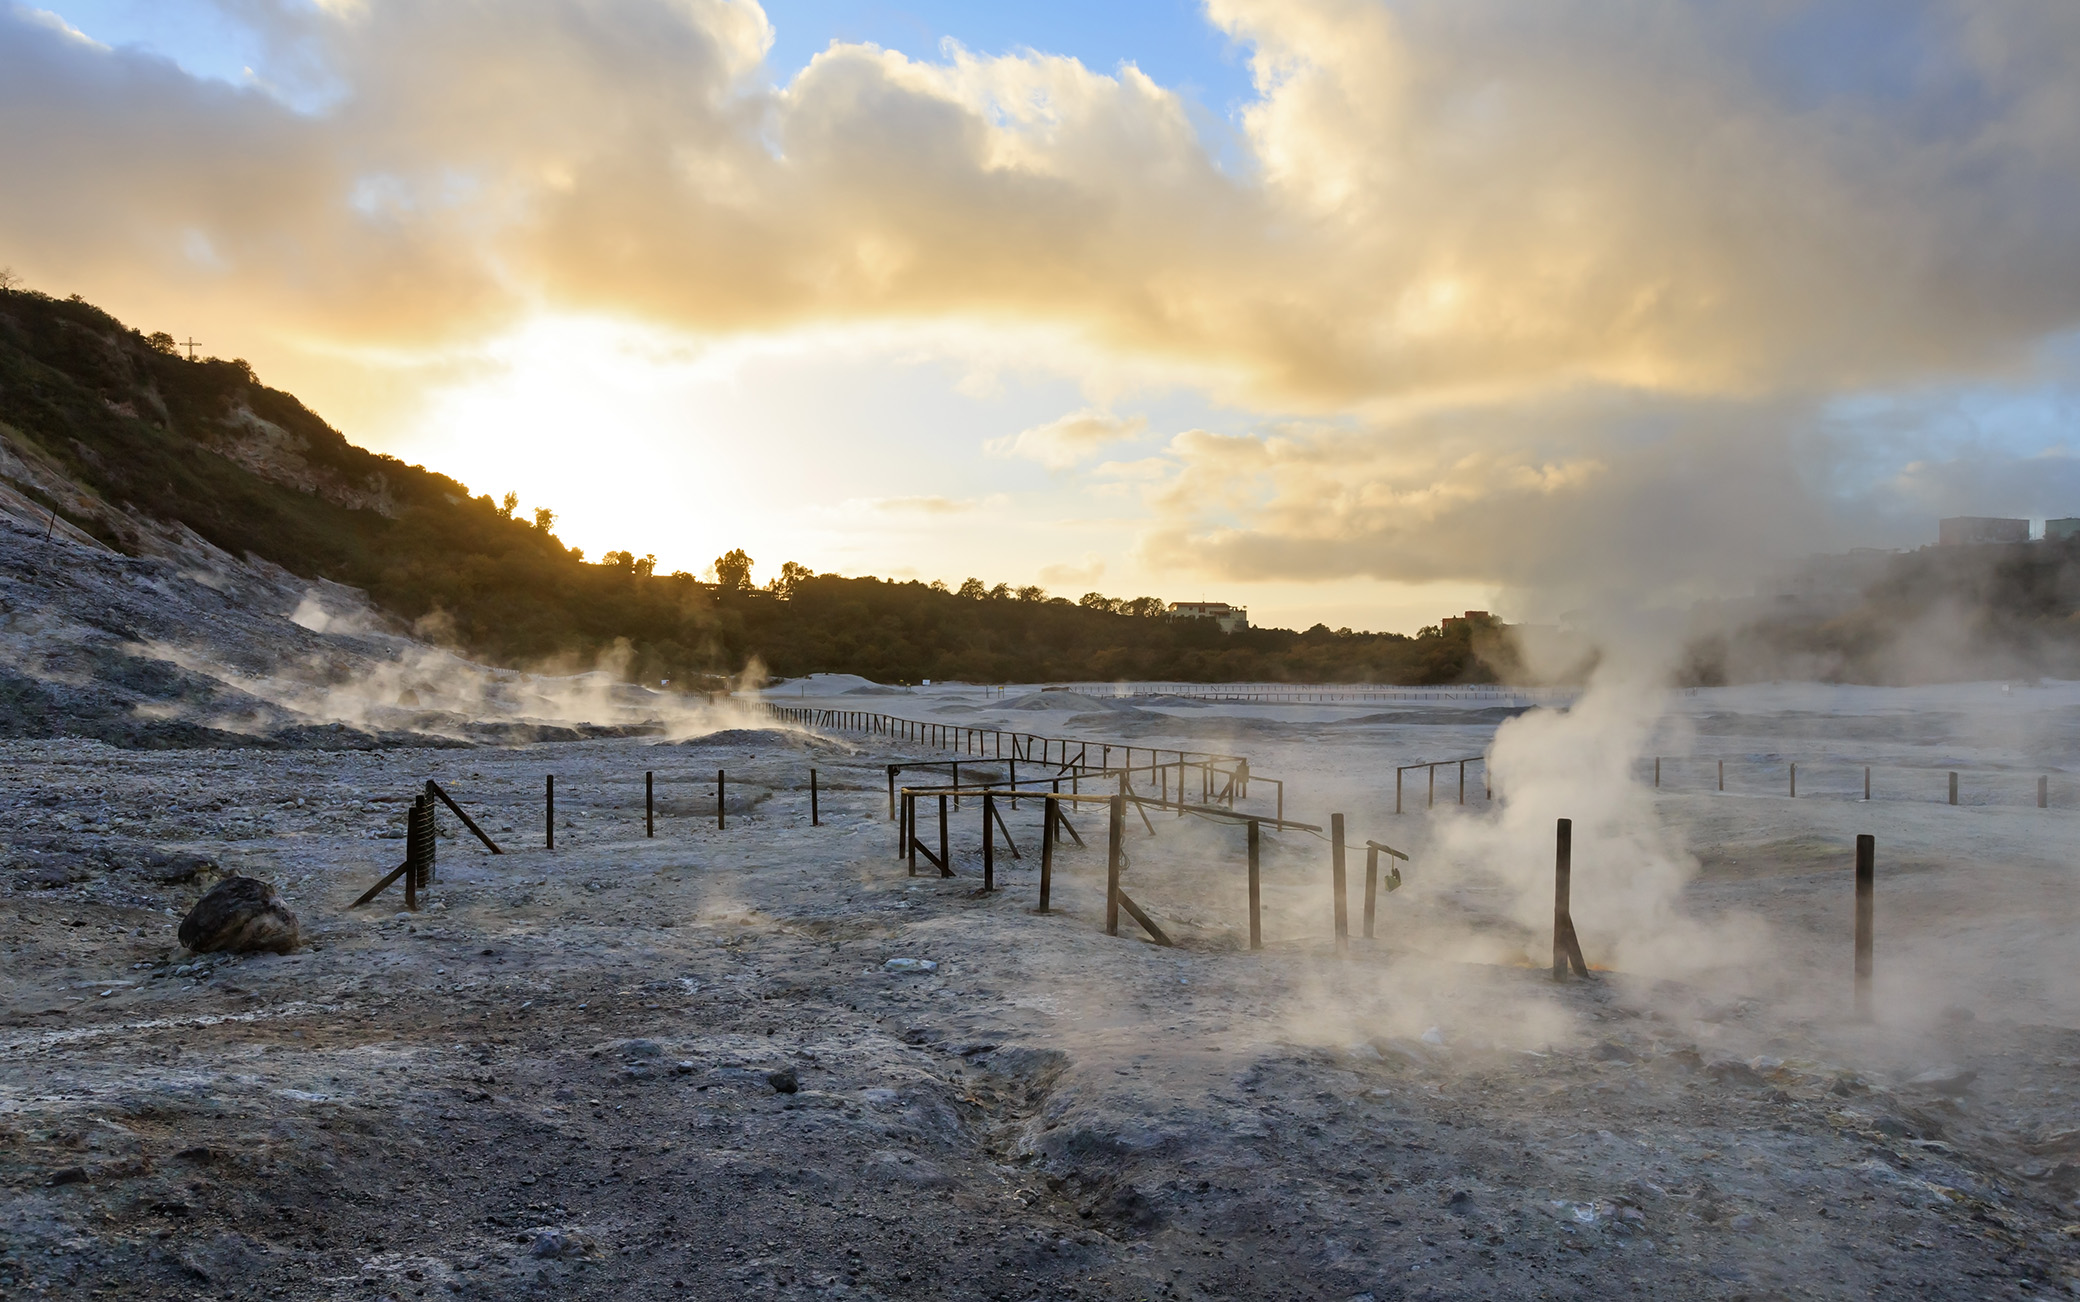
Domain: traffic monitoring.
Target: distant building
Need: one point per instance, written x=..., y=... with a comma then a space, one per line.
x=1228, y=617
x=1475, y=618
x=2060, y=530
x=1967, y=530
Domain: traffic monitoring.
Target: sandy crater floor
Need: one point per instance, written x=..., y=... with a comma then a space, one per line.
x=559, y=1079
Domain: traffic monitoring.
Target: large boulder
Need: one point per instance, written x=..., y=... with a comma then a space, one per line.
x=242, y=914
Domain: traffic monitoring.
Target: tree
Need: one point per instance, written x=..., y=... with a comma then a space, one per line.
x=733, y=570
x=973, y=589
x=1032, y=592
x=1097, y=601
x=161, y=342
x=9, y=282
x=623, y=561
x=544, y=519
x=505, y=508
x=1144, y=607
x=645, y=567
x=1002, y=592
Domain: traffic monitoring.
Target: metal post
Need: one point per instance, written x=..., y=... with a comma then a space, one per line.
x=549, y=801
x=1343, y=920
x=650, y=803
x=1256, y=900
x=1866, y=782
x=1794, y=781
x=892, y=791
x=1953, y=788
x=1046, y=850
x=1563, y=870
x=815, y=814
x=910, y=824
x=411, y=858
x=945, y=861
x=956, y=784
x=989, y=841
x=1430, y=802
x=903, y=831
x=1012, y=764
x=1866, y=911
x=1397, y=789
x=1657, y=772
x=2044, y=793
x=1115, y=848
x=1462, y=782
x=721, y=787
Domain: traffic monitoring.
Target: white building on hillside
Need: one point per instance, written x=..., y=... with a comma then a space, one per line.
x=1228, y=617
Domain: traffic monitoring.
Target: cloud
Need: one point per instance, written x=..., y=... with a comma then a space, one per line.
x=923, y=505
x=1559, y=294
x=1445, y=197
x=1089, y=570
x=1066, y=440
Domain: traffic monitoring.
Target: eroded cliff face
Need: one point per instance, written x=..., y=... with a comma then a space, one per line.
x=282, y=456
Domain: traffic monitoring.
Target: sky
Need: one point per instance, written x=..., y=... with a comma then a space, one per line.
x=1359, y=312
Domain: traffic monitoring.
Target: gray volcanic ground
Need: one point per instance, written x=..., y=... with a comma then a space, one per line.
x=703, y=1064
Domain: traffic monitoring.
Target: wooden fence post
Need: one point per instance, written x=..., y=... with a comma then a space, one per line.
x=1343, y=921
x=1866, y=915
x=1115, y=849
x=989, y=841
x=1046, y=850
x=1256, y=908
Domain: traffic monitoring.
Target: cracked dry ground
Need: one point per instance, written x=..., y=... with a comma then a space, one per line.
x=559, y=1081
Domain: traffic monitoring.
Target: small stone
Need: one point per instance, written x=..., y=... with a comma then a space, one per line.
x=783, y=1081
x=1948, y=1080
x=1435, y=1035
x=910, y=965
x=67, y=1175
x=550, y=1244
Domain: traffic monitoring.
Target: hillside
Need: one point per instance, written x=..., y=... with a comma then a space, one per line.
x=111, y=435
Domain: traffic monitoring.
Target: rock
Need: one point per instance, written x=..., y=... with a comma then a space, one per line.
x=550, y=1245
x=783, y=1081
x=1612, y=1051
x=1728, y=1071
x=167, y=867
x=910, y=965
x=1435, y=1035
x=240, y=913
x=224, y=1259
x=1948, y=1080
x=67, y=1175
x=643, y=1049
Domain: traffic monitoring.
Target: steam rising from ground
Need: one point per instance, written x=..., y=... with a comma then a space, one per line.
x=429, y=690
